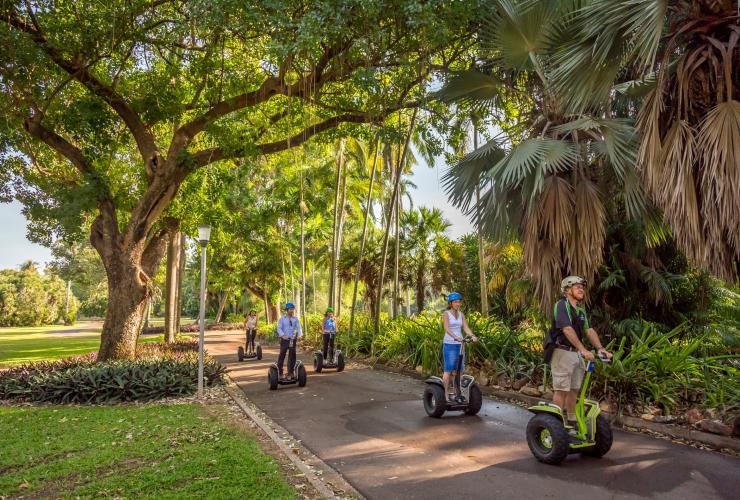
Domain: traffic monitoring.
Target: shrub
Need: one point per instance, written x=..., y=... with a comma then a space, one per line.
x=160, y=371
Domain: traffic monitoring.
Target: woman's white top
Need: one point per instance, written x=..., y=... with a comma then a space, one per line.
x=251, y=321
x=455, y=326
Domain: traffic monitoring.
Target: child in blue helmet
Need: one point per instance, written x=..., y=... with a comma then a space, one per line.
x=288, y=328
x=454, y=324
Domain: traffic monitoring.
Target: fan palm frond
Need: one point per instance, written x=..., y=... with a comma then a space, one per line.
x=607, y=32
x=477, y=91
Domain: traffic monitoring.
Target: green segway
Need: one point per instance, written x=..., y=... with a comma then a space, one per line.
x=550, y=441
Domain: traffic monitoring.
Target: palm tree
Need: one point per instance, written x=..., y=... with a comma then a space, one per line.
x=422, y=230
x=684, y=57
x=547, y=180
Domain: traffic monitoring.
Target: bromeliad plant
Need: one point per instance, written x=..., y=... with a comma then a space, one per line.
x=160, y=371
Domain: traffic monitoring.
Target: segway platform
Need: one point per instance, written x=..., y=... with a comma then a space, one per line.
x=335, y=361
x=299, y=371
x=242, y=354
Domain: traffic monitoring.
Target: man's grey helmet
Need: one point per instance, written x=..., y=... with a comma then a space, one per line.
x=570, y=281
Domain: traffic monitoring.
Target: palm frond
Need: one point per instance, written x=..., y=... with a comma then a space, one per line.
x=474, y=89
x=517, y=33
x=719, y=146
x=608, y=31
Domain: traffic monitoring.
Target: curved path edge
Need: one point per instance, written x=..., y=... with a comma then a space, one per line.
x=330, y=483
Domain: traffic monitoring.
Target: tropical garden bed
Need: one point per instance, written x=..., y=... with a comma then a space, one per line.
x=674, y=376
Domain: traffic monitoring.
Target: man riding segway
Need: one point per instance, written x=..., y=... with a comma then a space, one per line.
x=289, y=331
x=572, y=423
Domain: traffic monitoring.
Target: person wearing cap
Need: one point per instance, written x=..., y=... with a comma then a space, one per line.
x=329, y=327
x=454, y=325
x=571, y=323
x=288, y=328
x=250, y=325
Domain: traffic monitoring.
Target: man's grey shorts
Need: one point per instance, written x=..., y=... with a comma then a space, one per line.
x=567, y=370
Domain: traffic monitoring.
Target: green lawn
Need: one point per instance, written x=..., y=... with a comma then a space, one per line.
x=149, y=451
x=23, y=344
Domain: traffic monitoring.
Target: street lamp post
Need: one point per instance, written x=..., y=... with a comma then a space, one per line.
x=204, y=234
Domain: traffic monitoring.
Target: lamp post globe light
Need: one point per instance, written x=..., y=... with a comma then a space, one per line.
x=204, y=234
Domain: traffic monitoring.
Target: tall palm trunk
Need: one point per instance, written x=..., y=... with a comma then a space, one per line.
x=338, y=253
x=313, y=284
x=420, y=271
x=388, y=226
x=303, y=257
x=396, y=291
x=481, y=252
x=368, y=201
x=333, y=261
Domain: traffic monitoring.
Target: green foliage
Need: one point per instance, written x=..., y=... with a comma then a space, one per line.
x=29, y=298
x=159, y=371
x=670, y=371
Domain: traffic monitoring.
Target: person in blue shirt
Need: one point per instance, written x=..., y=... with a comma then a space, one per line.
x=329, y=327
x=288, y=327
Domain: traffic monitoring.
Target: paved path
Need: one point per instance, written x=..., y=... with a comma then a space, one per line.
x=371, y=426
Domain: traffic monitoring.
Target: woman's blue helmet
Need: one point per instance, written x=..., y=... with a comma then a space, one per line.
x=454, y=296
x=289, y=305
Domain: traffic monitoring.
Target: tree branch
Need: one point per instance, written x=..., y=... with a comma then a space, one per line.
x=57, y=143
x=143, y=137
x=212, y=155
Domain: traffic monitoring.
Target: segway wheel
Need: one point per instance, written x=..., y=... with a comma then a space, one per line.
x=340, y=362
x=272, y=378
x=259, y=352
x=476, y=401
x=302, y=376
x=603, y=437
x=240, y=353
x=318, y=362
x=547, y=439
x=435, y=403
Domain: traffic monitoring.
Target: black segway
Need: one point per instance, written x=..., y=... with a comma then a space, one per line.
x=299, y=372
x=249, y=352
x=468, y=397
x=335, y=359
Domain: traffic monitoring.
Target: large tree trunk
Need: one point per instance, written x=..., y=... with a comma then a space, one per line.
x=127, y=301
x=271, y=310
x=171, y=284
x=129, y=259
x=221, y=306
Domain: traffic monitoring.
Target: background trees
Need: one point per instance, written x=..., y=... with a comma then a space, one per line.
x=114, y=106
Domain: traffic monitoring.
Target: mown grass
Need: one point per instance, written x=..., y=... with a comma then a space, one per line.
x=147, y=451
x=25, y=344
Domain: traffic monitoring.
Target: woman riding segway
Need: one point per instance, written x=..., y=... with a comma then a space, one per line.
x=328, y=357
x=250, y=327
x=454, y=323
x=464, y=395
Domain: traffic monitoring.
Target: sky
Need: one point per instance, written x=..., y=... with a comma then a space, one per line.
x=16, y=249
